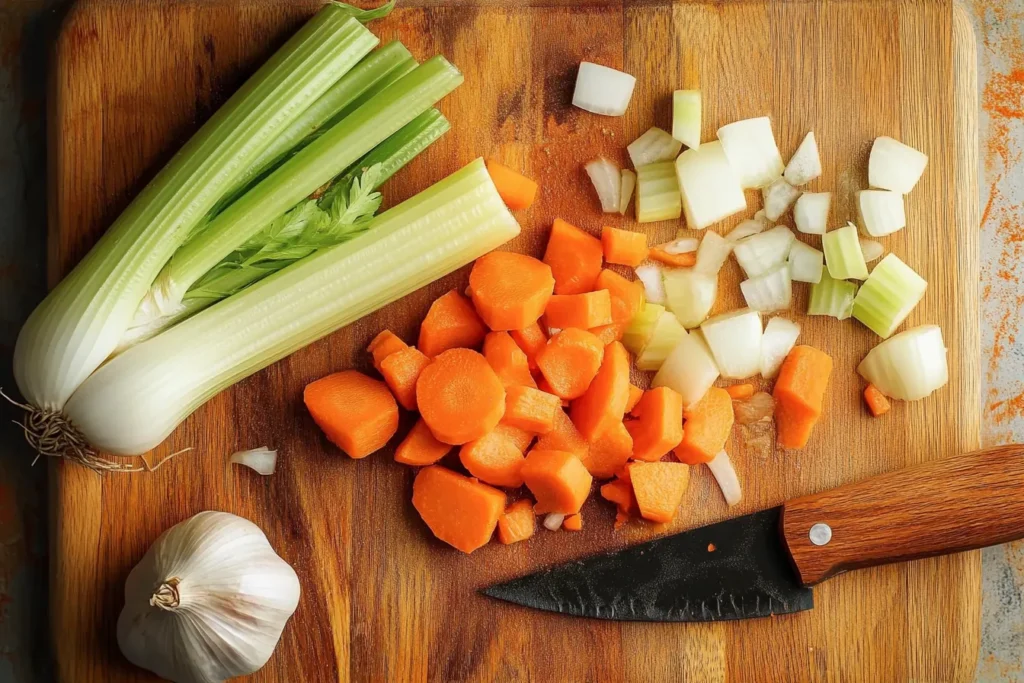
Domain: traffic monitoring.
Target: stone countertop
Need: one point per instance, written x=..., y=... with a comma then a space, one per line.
x=27, y=28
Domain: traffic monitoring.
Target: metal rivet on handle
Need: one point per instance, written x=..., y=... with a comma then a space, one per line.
x=820, y=534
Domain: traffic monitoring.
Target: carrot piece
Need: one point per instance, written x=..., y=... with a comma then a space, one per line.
x=569, y=362
x=878, y=404
x=383, y=345
x=624, y=247
x=575, y=258
x=620, y=492
x=609, y=452
x=530, y=409
x=401, y=370
x=510, y=291
x=675, y=260
x=558, y=480
x=515, y=189
x=450, y=323
x=573, y=522
x=659, y=428
x=627, y=296
x=518, y=523
x=609, y=333
x=531, y=339
x=582, y=311
x=460, y=397
x=659, y=488
x=508, y=360
x=495, y=458
x=604, y=402
x=635, y=394
x=564, y=437
x=357, y=413
x=459, y=510
x=545, y=386
x=519, y=437
x=707, y=427
x=419, y=447
x=798, y=394
x=740, y=392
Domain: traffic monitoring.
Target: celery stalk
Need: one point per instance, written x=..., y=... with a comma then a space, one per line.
x=657, y=193
x=843, y=257
x=641, y=328
x=888, y=296
x=831, y=297
x=401, y=148
x=81, y=321
x=666, y=335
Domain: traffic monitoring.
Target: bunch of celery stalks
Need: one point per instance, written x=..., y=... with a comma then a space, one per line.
x=258, y=238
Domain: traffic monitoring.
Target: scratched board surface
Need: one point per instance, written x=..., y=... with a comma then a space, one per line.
x=381, y=599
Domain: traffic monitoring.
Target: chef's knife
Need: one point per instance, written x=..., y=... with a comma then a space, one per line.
x=763, y=563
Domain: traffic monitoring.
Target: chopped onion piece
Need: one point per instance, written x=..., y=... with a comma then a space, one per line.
x=909, y=366
x=805, y=262
x=553, y=521
x=895, y=166
x=805, y=165
x=881, y=212
x=641, y=328
x=888, y=296
x=776, y=343
x=725, y=475
x=261, y=460
x=778, y=197
x=654, y=288
x=627, y=184
x=602, y=90
x=710, y=187
x=772, y=291
x=683, y=245
x=761, y=218
x=686, y=117
x=689, y=370
x=747, y=228
x=758, y=408
x=872, y=250
x=811, y=212
x=735, y=342
x=607, y=181
x=764, y=251
x=657, y=193
x=667, y=333
x=752, y=152
x=552, y=331
x=843, y=256
x=832, y=297
x=690, y=294
x=653, y=146
x=713, y=252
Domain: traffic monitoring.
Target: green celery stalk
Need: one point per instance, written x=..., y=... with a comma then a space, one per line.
x=831, y=297
x=666, y=335
x=843, y=257
x=657, y=193
x=641, y=327
x=888, y=296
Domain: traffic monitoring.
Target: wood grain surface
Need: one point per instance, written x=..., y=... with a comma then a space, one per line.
x=381, y=599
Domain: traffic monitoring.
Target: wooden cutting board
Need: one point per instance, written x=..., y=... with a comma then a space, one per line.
x=381, y=599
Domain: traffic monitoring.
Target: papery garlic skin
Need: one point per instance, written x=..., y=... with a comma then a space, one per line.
x=207, y=602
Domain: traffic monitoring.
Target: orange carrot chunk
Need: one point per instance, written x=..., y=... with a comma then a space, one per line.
x=604, y=402
x=517, y=191
x=675, y=260
x=531, y=339
x=798, y=394
x=460, y=511
x=573, y=523
x=740, y=392
x=508, y=360
x=357, y=413
x=450, y=323
x=460, y=397
x=518, y=523
x=401, y=370
x=635, y=394
x=494, y=458
x=519, y=437
x=419, y=447
x=383, y=345
x=569, y=362
x=624, y=247
x=582, y=311
x=659, y=428
x=564, y=437
x=620, y=492
x=659, y=488
x=558, y=480
x=878, y=404
x=510, y=291
x=530, y=409
x=609, y=333
x=707, y=427
x=575, y=258
x=609, y=452
x=545, y=386
x=627, y=297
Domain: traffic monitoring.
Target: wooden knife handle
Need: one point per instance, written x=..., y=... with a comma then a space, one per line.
x=940, y=507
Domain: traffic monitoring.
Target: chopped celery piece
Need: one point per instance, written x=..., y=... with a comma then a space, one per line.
x=641, y=327
x=888, y=296
x=843, y=256
x=686, y=117
x=690, y=294
x=653, y=147
x=666, y=335
x=627, y=183
x=657, y=193
x=832, y=297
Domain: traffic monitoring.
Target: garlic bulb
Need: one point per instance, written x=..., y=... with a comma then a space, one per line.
x=207, y=602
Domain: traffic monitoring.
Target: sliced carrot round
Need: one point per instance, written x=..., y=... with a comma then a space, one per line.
x=570, y=361
x=460, y=397
x=510, y=291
